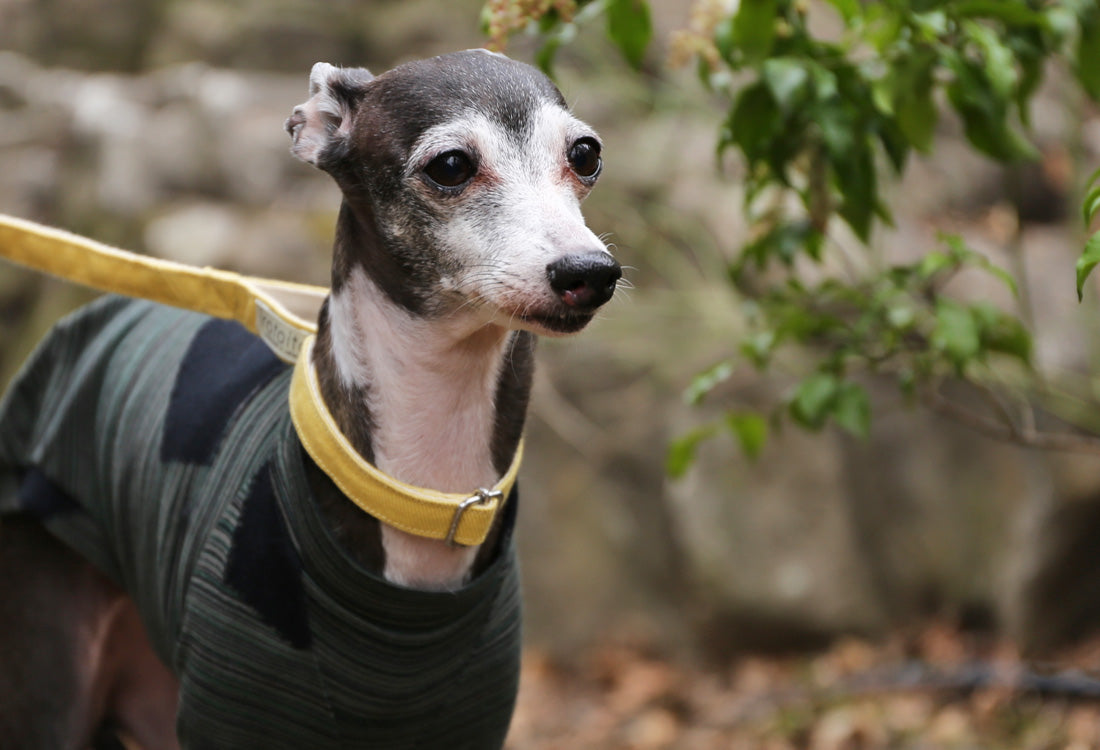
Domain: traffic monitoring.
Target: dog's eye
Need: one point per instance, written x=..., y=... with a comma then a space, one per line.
x=584, y=157
x=450, y=169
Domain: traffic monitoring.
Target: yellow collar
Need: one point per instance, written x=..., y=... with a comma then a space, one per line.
x=281, y=313
x=458, y=519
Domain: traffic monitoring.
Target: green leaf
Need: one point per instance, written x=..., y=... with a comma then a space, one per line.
x=1000, y=274
x=1001, y=332
x=934, y=262
x=681, y=453
x=1013, y=13
x=957, y=334
x=933, y=25
x=1061, y=19
x=1088, y=260
x=752, y=31
x=849, y=10
x=751, y=431
x=1093, y=179
x=993, y=137
x=704, y=382
x=629, y=26
x=895, y=143
x=1031, y=75
x=758, y=348
x=917, y=117
x=852, y=410
x=754, y=121
x=824, y=82
x=1090, y=205
x=1000, y=63
x=907, y=382
x=855, y=179
x=723, y=38
x=840, y=133
x=544, y=57
x=1088, y=53
x=914, y=104
x=783, y=242
x=556, y=34
x=788, y=81
x=900, y=316
x=985, y=114
x=961, y=253
x=814, y=399
x=548, y=21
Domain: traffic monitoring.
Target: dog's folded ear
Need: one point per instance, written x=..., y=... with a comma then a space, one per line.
x=326, y=116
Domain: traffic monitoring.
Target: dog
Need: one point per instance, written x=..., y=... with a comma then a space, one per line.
x=176, y=570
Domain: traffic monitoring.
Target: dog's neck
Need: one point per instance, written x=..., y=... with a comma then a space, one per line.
x=438, y=403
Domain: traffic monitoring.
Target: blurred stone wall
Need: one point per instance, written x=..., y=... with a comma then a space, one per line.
x=157, y=126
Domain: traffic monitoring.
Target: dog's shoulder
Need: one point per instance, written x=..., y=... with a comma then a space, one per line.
x=222, y=366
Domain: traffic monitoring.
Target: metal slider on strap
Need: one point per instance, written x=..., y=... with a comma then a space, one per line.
x=481, y=497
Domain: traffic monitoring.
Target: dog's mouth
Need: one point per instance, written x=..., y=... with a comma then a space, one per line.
x=557, y=323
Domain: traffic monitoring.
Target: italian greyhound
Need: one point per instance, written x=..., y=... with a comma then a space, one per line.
x=459, y=240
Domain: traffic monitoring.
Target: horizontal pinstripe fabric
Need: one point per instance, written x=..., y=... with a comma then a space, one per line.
x=279, y=639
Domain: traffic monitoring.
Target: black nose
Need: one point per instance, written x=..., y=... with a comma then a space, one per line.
x=584, y=281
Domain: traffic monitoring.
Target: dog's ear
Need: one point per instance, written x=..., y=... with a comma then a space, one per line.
x=326, y=116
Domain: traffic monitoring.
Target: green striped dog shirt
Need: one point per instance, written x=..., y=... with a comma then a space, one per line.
x=157, y=443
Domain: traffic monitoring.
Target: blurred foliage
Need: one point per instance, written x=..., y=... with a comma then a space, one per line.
x=816, y=116
x=628, y=24
x=1090, y=207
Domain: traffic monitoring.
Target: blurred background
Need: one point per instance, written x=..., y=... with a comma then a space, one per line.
x=653, y=605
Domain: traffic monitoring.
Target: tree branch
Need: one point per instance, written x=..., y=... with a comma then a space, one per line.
x=1007, y=431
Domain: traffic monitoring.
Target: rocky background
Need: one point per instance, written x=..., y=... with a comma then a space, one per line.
x=156, y=125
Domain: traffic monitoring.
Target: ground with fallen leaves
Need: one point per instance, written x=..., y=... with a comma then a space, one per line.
x=934, y=689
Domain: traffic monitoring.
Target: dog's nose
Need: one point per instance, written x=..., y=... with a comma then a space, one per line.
x=584, y=281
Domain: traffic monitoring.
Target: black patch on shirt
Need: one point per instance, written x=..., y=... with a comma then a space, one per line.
x=264, y=568
x=41, y=498
x=223, y=366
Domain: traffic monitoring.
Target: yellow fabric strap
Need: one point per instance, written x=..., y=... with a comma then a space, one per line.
x=283, y=314
x=280, y=312
x=460, y=519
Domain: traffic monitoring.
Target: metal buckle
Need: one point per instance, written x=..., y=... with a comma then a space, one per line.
x=481, y=497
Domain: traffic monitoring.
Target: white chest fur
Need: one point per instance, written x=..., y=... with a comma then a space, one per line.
x=431, y=389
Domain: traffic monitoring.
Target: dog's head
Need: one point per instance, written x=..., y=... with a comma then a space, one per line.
x=463, y=176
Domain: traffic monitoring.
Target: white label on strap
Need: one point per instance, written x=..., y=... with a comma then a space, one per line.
x=284, y=338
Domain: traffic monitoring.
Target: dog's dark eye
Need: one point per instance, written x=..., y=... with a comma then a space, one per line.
x=584, y=157
x=450, y=169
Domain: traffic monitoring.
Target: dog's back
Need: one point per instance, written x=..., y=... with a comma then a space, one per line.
x=157, y=444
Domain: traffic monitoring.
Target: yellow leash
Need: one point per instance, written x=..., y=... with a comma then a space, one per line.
x=283, y=314
x=280, y=312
